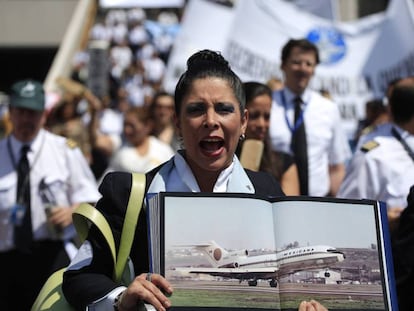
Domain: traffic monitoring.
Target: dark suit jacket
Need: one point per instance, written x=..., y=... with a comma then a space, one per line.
x=403, y=255
x=86, y=285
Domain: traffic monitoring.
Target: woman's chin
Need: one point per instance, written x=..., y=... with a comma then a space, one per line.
x=212, y=153
x=214, y=165
x=218, y=165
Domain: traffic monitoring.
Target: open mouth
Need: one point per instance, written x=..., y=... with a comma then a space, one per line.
x=211, y=145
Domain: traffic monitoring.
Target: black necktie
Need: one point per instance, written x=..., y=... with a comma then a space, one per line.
x=23, y=235
x=299, y=147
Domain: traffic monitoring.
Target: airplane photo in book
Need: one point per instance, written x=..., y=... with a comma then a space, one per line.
x=241, y=252
x=251, y=268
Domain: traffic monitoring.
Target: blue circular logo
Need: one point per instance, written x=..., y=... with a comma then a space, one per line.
x=330, y=43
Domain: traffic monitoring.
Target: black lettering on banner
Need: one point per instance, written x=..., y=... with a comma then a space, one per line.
x=348, y=110
x=409, y=64
x=385, y=76
x=246, y=63
x=367, y=81
x=402, y=69
x=336, y=86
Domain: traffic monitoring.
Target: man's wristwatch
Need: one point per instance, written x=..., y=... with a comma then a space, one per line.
x=117, y=301
x=141, y=306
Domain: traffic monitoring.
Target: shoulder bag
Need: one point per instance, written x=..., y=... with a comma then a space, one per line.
x=51, y=296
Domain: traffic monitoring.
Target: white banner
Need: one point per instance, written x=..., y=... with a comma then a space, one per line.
x=204, y=25
x=141, y=3
x=358, y=58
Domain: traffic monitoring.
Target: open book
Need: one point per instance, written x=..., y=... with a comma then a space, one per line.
x=244, y=252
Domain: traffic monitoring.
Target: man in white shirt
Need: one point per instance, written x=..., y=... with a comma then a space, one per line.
x=382, y=167
x=326, y=142
x=36, y=202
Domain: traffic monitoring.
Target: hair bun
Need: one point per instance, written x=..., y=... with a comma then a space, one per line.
x=206, y=58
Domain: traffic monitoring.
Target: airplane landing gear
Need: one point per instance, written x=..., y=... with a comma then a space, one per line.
x=252, y=283
x=273, y=283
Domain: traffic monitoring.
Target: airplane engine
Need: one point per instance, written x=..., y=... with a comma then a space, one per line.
x=243, y=252
x=233, y=264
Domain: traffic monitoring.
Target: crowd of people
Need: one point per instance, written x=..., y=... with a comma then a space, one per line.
x=189, y=141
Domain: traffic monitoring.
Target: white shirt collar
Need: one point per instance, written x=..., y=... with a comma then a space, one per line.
x=186, y=175
x=176, y=176
x=223, y=179
x=290, y=96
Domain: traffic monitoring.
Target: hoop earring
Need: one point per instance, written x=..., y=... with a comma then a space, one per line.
x=242, y=137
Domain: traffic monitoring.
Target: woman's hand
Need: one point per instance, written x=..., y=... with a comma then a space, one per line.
x=146, y=287
x=311, y=306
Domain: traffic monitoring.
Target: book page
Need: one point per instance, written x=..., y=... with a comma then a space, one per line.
x=331, y=251
x=212, y=247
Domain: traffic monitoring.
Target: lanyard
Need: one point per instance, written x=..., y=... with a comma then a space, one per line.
x=403, y=142
x=299, y=121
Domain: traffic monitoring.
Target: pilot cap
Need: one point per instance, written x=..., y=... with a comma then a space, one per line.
x=28, y=94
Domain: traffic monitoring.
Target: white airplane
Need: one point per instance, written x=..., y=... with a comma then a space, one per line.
x=239, y=265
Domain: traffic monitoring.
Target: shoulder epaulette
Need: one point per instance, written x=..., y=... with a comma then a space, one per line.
x=368, y=130
x=368, y=146
x=71, y=143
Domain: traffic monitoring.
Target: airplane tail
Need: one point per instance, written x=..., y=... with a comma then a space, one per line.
x=219, y=257
x=213, y=251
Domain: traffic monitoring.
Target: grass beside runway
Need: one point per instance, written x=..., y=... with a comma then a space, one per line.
x=269, y=300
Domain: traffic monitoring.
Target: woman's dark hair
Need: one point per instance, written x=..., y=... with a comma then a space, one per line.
x=271, y=162
x=254, y=89
x=205, y=64
x=303, y=44
x=155, y=98
x=158, y=95
x=141, y=113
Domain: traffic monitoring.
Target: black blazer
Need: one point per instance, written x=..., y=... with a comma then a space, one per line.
x=81, y=287
x=402, y=240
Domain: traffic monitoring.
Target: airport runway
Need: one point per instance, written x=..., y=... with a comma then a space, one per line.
x=234, y=294
x=324, y=289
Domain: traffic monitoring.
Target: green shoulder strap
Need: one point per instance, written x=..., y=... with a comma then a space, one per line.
x=51, y=296
x=130, y=222
x=84, y=216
